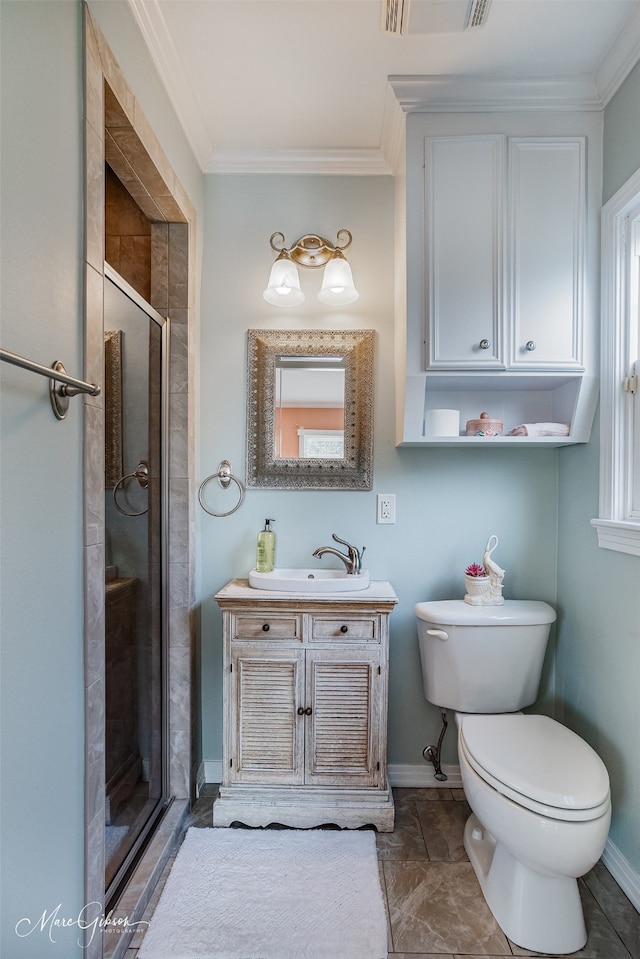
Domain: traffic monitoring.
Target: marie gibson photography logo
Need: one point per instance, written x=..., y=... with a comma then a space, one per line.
x=91, y=917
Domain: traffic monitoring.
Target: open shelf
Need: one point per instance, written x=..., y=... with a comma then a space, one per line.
x=514, y=398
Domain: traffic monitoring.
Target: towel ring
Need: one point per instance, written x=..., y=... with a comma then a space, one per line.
x=141, y=473
x=224, y=476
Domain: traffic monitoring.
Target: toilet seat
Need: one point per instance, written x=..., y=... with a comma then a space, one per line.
x=538, y=763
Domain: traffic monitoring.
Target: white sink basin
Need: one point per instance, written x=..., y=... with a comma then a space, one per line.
x=309, y=580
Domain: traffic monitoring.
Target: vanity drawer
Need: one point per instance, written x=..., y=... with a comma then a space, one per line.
x=345, y=629
x=267, y=628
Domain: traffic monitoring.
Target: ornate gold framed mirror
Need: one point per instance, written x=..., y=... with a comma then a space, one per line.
x=310, y=409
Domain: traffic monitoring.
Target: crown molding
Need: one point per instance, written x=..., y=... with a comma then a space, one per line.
x=621, y=58
x=159, y=42
x=394, y=127
x=405, y=94
x=459, y=94
x=310, y=162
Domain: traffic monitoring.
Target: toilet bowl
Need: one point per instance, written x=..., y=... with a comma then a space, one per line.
x=540, y=798
x=539, y=794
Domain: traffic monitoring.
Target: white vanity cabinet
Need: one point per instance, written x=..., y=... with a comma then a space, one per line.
x=305, y=708
x=501, y=254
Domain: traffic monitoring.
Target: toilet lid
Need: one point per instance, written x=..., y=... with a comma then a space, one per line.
x=513, y=612
x=537, y=761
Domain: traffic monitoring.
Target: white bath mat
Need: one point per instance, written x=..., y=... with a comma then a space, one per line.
x=271, y=894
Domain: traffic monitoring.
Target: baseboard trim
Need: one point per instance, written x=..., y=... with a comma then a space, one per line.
x=209, y=771
x=422, y=777
x=623, y=872
x=418, y=777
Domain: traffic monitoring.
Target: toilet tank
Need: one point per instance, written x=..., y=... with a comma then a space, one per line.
x=482, y=659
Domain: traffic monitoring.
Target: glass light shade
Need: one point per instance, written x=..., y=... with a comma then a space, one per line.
x=337, y=283
x=283, y=288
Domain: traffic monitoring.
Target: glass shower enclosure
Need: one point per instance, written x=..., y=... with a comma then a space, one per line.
x=136, y=390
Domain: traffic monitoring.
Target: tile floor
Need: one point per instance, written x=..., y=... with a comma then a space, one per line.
x=435, y=907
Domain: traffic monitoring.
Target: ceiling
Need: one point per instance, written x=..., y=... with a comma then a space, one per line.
x=302, y=85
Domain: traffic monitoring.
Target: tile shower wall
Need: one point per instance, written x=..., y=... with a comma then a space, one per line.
x=127, y=236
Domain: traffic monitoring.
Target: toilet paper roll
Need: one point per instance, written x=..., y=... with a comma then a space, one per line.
x=442, y=423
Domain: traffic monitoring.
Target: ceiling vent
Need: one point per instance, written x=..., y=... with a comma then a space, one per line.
x=478, y=13
x=392, y=16
x=415, y=17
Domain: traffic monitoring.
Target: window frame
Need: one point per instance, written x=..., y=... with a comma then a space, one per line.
x=320, y=434
x=616, y=529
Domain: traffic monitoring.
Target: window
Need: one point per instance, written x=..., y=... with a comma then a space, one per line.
x=321, y=444
x=618, y=524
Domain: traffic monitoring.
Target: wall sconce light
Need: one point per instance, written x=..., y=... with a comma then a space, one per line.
x=311, y=251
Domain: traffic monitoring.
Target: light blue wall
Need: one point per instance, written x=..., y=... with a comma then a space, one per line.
x=42, y=744
x=41, y=489
x=448, y=501
x=598, y=658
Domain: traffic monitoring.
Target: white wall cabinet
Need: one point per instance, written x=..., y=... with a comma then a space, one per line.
x=505, y=252
x=305, y=708
x=501, y=254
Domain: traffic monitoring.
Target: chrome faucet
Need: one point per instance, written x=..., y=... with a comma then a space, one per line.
x=353, y=559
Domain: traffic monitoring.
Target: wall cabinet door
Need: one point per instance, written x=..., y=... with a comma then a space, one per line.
x=464, y=249
x=546, y=252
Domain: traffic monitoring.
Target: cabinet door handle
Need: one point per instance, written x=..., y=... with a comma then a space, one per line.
x=300, y=710
x=344, y=629
x=265, y=628
x=484, y=344
x=308, y=711
x=530, y=345
x=304, y=712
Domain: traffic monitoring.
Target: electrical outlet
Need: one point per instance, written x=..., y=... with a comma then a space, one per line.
x=386, y=508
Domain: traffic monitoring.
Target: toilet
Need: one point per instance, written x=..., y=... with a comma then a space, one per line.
x=539, y=794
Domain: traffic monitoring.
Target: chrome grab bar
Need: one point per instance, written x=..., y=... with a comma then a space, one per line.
x=62, y=386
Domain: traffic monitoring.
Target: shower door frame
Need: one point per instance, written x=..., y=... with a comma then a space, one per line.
x=164, y=323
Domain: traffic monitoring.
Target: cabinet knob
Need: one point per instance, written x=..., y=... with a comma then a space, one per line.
x=344, y=629
x=308, y=711
x=265, y=628
x=484, y=344
x=530, y=345
x=300, y=710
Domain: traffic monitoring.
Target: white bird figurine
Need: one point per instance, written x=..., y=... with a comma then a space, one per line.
x=494, y=572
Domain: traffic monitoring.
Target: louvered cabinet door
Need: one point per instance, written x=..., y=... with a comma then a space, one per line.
x=267, y=688
x=343, y=729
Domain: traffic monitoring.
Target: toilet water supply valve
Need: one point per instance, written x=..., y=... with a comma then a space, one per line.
x=432, y=753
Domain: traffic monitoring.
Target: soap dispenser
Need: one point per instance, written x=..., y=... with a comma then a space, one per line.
x=266, y=548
